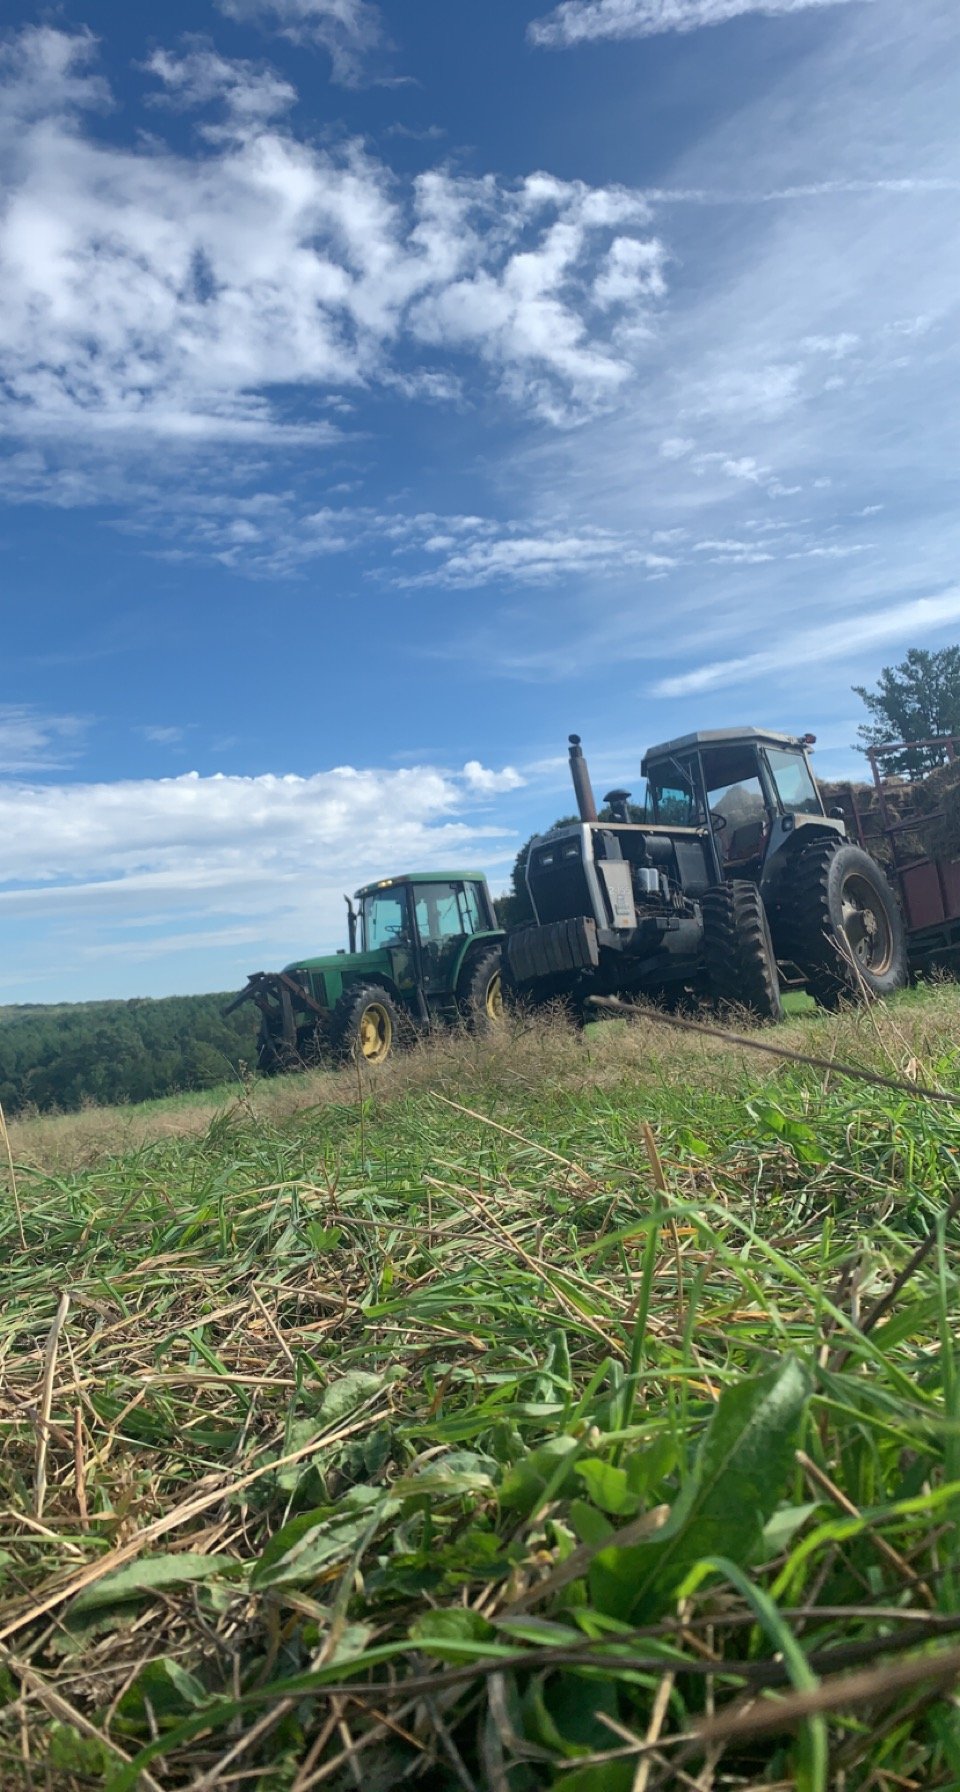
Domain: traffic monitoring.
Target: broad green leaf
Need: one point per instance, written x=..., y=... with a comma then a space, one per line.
x=564, y=1711
x=589, y=1525
x=737, y=1483
x=608, y=1487
x=162, y=1694
x=351, y=1642
x=460, y=1471
x=526, y=1481
x=151, y=1574
x=344, y=1395
x=780, y=1530
x=438, y=1633
x=648, y=1467
x=323, y=1238
x=313, y=1539
x=802, y=1139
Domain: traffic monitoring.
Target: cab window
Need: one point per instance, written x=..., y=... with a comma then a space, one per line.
x=384, y=918
x=795, y=786
x=439, y=911
x=734, y=790
x=671, y=798
x=474, y=919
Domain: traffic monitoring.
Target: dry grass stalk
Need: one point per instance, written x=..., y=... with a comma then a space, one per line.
x=13, y=1179
x=46, y=1402
x=822, y=1481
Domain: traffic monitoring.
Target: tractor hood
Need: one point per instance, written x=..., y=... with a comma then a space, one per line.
x=341, y=962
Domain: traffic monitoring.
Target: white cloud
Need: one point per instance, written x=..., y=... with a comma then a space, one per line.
x=349, y=30
x=31, y=742
x=201, y=77
x=145, y=294
x=676, y=447
x=484, y=782
x=161, y=735
x=852, y=637
x=836, y=348
x=586, y=21
x=191, y=860
x=472, y=552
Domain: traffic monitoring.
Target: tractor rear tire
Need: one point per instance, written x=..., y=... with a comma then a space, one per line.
x=481, y=991
x=738, y=950
x=366, y=1025
x=842, y=926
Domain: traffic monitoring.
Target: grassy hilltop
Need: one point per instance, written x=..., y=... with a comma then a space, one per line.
x=550, y=1412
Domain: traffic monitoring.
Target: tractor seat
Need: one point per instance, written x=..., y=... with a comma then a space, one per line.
x=746, y=842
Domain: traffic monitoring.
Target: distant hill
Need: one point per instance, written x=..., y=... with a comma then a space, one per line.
x=68, y=1054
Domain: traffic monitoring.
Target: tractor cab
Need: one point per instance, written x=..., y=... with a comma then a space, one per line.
x=431, y=917
x=749, y=789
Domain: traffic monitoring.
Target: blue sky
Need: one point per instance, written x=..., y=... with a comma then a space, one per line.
x=386, y=391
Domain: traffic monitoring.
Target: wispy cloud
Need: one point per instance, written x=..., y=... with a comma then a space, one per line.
x=350, y=31
x=587, y=21
x=851, y=637
x=198, y=76
x=33, y=742
x=161, y=735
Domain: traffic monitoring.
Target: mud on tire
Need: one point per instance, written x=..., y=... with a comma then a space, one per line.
x=738, y=950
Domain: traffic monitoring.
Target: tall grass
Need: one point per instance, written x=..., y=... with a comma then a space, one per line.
x=551, y=1412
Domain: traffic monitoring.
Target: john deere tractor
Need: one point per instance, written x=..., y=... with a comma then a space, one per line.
x=424, y=950
x=736, y=882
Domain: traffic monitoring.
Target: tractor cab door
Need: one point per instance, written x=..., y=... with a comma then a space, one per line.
x=447, y=915
x=386, y=928
x=741, y=806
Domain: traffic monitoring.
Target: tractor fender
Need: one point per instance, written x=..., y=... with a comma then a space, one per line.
x=786, y=843
x=382, y=982
x=474, y=948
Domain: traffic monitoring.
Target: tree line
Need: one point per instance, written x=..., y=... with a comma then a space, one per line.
x=63, y=1057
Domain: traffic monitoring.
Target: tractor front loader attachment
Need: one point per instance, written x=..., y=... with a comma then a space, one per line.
x=289, y=1018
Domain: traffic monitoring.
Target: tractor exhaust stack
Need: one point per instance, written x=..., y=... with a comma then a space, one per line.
x=583, y=789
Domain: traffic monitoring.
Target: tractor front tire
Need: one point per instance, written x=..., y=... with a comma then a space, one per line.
x=481, y=994
x=738, y=950
x=366, y=1025
x=842, y=926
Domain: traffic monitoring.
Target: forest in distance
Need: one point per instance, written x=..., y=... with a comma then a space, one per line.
x=60, y=1058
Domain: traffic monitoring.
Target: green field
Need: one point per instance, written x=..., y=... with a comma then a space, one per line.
x=554, y=1411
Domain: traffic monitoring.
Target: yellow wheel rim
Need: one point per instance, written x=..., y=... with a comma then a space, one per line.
x=375, y=1033
x=493, y=1000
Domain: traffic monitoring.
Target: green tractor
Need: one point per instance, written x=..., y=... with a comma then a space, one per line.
x=425, y=949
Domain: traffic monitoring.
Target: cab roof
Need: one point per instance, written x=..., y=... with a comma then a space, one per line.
x=721, y=737
x=421, y=877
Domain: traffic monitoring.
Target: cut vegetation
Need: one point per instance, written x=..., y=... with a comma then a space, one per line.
x=549, y=1411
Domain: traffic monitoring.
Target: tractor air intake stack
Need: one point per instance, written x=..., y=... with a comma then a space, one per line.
x=586, y=802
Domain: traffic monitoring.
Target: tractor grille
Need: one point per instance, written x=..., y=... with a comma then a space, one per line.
x=557, y=881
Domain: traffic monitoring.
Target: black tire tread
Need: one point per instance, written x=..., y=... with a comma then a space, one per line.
x=808, y=935
x=473, y=987
x=346, y=1018
x=738, y=951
